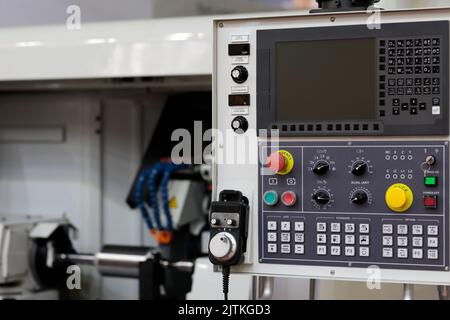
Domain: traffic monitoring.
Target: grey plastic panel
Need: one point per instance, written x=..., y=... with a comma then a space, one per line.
x=389, y=163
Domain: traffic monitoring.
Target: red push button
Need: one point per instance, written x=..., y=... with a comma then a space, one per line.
x=430, y=202
x=289, y=198
x=276, y=162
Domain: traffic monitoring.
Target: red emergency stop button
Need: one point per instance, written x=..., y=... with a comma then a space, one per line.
x=430, y=201
x=280, y=162
x=276, y=162
x=289, y=198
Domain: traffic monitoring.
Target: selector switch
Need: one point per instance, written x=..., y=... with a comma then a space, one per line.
x=239, y=74
x=399, y=197
x=359, y=168
x=321, y=167
x=239, y=124
x=321, y=197
x=359, y=197
x=281, y=162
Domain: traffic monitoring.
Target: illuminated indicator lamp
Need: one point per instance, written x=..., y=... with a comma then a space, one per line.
x=430, y=202
x=270, y=198
x=289, y=198
x=430, y=181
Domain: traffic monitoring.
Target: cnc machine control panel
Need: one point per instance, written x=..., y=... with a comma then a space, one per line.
x=355, y=204
x=350, y=126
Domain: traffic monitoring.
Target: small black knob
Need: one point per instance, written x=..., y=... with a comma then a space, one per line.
x=239, y=74
x=239, y=124
x=359, y=197
x=359, y=168
x=321, y=197
x=321, y=167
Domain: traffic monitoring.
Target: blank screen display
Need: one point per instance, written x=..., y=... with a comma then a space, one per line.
x=329, y=80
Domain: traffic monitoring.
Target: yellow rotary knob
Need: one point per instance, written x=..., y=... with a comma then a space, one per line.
x=399, y=197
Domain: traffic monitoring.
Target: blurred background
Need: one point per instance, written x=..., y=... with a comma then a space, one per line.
x=31, y=12
x=85, y=172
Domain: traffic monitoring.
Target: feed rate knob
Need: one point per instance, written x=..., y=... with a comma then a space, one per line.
x=321, y=197
x=239, y=74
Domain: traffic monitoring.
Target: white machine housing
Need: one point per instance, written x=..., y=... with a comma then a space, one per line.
x=243, y=176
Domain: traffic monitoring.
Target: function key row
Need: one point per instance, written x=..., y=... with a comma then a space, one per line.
x=402, y=82
x=409, y=91
x=285, y=237
x=335, y=227
x=417, y=229
x=348, y=251
x=410, y=61
x=404, y=253
x=417, y=242
x=349, y=239
x=286, y=226
x=285, y=248
x=411, y=70
x=427, y=42
x=418, y=52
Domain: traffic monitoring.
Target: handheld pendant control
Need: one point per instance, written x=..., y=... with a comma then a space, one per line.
x=228, y=221
x=229, y=230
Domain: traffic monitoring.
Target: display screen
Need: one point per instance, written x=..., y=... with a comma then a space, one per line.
x=326, y=80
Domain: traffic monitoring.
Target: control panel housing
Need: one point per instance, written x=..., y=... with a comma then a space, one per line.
x=345, y=178
x=344, y=229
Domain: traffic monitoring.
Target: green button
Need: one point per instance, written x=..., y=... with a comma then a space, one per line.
x=271, y=198
x=431, y=181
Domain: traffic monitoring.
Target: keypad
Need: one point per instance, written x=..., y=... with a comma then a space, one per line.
x=411, y=74
x=399, y=240
x=415, y=241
